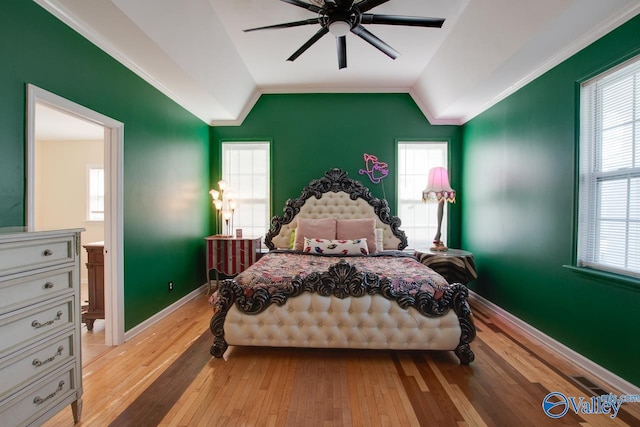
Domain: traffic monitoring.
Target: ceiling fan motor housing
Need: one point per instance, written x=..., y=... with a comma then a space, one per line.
x=336, y=15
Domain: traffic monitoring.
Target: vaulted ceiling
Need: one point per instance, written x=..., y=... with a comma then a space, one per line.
x=196, y=52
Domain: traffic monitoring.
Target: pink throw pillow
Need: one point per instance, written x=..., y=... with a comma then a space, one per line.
x=318, y=228
x=361, y=228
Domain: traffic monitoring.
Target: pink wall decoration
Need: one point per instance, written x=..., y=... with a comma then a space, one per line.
x=374, y=169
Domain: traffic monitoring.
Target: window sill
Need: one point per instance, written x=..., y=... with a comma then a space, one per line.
x=618, y=280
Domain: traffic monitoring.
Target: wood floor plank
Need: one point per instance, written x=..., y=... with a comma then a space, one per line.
x=159, y=378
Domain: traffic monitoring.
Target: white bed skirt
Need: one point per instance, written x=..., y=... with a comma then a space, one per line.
x=315, y=321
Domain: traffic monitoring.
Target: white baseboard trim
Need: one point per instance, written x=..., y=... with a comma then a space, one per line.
x=620, y=384
x=165, y=312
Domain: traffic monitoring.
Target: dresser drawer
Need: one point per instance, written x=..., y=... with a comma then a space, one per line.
x=26, y=406
x=19, y=292
x=25, y=327
x=20, y=370
x=37, y=253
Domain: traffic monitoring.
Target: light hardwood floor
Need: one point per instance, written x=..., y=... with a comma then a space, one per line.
x=165, y=376
x=93, y=341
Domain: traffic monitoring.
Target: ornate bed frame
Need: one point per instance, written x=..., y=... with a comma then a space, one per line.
x=446, y=321
x=336, y=181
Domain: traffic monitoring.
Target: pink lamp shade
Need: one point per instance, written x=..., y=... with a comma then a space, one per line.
x=438, y=187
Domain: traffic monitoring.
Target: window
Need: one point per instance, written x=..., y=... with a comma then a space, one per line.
x=419, y=220
x=95, y=197
x=609, y=182
x=245, y=166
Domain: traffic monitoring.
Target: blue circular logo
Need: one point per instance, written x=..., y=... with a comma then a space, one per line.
x=555, y=405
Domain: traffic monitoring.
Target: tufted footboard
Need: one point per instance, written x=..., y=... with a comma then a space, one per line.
x=343, y=308
x=371, y=321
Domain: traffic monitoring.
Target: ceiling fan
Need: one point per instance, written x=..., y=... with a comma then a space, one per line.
x=339, y=17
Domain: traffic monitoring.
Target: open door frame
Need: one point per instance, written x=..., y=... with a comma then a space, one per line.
x=113, y=226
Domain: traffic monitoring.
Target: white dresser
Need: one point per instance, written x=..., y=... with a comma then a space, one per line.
x=40, y=362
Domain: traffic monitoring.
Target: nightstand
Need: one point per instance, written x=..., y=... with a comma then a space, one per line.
x=94, y=309
x=455, y=265
x=230, y=256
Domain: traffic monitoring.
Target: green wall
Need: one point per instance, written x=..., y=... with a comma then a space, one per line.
x=166, y=152
x=519, y=161
x=516, y=197
x=311, y=133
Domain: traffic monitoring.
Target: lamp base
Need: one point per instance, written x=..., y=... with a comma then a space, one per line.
x=438, y=246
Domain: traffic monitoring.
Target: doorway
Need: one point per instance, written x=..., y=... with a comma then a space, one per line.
x=112, y=156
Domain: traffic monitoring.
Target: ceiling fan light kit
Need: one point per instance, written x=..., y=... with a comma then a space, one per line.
x=339, y=28
x=339, y=17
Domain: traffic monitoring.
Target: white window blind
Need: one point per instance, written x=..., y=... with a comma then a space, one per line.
x=419, y=220
x=609, y=186
x=245, y=166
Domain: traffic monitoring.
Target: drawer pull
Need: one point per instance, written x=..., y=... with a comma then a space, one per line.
x=38, y=363
x=48, y=285
x=38, y=400
x=47, y=252
x=38, y=325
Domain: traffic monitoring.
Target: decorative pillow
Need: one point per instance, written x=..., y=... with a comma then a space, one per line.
x=379, y=239
x=336, y=247
x=292, y=239
x=362, y=228
x=321, y=228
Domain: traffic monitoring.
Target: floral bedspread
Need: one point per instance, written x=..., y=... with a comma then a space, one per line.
x=276, y=269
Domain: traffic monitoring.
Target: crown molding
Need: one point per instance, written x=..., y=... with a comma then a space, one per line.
x=248, y=106
x=564, y=54
x=427, y=112
x=60, y=12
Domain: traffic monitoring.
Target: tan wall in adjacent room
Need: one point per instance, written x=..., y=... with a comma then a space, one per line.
x=61, y=193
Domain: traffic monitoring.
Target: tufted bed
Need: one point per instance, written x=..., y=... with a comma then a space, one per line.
x=336, y=277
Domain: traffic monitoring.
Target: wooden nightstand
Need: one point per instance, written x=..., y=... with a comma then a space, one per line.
x=230, y=256
x=95, y=267
x=455, y=265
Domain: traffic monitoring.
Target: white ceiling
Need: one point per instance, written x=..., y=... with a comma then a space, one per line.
x=196, y=52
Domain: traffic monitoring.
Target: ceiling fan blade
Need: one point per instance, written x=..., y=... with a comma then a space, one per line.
x=341, y=44
x=362, y=32
x=285, y=25
x=411, y=21
x=317, y=36
x=367, y=5
x=311, y=7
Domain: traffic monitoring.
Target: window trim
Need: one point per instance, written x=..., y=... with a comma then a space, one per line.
x=90, y=167
x=612, y=277
x=446, y=221
x=220, y=175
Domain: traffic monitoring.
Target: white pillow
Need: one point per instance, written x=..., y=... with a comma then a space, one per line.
x=336, y=247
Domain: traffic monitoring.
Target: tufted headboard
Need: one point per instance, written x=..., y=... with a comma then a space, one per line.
x=335, y=196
